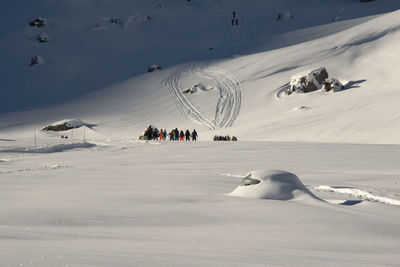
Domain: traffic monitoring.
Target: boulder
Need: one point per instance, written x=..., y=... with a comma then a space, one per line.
x=42, y=38
x=115, y=20
x=284, y=16
x=66, y=125
x=58, y=128
x=38, y=22
x=188, y=91
x=153, y=68
x=307, y=82
x=36, y=60
x=332, y=84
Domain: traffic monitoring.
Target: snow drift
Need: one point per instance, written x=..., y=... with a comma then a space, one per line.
x=272, y=184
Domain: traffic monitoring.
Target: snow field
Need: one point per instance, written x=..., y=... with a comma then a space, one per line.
x=144, y=204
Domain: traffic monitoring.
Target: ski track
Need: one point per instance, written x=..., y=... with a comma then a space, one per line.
x=359, y=193
x=229, y=102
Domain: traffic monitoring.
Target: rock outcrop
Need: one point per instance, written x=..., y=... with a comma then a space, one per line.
x=153, y=68
x=38, y=22
x=312, y=81
x=58, y=128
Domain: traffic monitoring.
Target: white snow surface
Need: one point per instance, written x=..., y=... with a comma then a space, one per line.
x=135, y=203
x=104, y=198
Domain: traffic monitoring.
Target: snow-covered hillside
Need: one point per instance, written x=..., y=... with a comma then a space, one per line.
x=86, y=52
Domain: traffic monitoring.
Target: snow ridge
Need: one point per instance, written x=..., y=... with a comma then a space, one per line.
x=355, y=192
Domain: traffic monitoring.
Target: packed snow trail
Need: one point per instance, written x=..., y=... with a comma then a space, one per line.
x=230, y=97
x=359, y=193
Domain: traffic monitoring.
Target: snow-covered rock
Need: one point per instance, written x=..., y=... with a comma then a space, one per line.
x=64, y=125
x=312, y=81
x=115, y=20
x=38, y=22
x=272, y=184
x=35, y=60
x=42, y=37
x=332, y=84
x=284, y=16
x=153, y=67
x=196, y=88
x=307, y=82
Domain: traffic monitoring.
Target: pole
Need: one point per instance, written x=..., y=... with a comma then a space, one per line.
x=72, y=133
x=34, y=135
x=83, y=133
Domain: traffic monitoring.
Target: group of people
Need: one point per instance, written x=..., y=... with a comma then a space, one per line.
x=152, y=133
x=224, y=138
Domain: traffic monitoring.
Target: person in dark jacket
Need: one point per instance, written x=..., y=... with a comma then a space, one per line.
x=156, y=134
x=187, y=135
x=181, y=136
x=176, y=134
x=165, y=134
x=194, y=135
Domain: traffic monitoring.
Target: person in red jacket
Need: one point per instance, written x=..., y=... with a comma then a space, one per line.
x=181, y=136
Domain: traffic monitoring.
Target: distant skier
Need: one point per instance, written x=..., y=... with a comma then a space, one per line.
x=161, y=134
x=194, y=135
x=237, y=21
x=233, y=22
x=187, y=135
x=181, y=136
x=234, y=14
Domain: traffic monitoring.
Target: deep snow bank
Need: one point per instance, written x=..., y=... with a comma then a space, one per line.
x=272, y=184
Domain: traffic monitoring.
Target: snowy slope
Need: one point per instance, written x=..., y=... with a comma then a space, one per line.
x=245, y=101
x=86, y=53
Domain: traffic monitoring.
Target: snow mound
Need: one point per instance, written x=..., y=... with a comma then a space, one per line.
x=272, y=184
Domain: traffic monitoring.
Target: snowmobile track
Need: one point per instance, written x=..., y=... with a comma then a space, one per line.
x=229, y=102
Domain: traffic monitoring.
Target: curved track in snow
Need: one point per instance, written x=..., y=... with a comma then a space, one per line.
x=230, y=97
